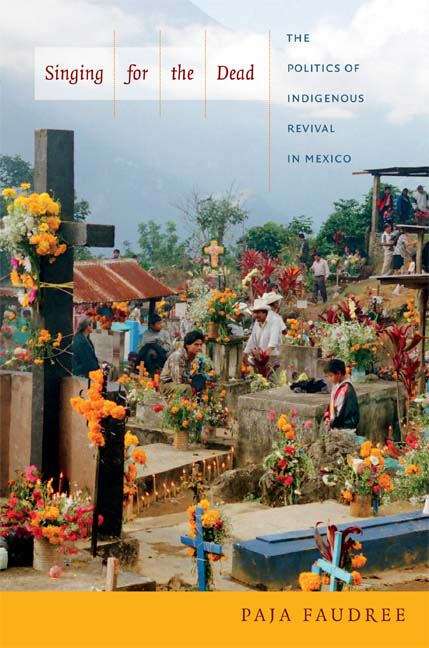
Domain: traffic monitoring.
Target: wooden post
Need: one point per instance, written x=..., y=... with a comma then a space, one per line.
x=419, y=251
x=423, y=304
x=112, y=574
x=54, y=174
x=374, y=215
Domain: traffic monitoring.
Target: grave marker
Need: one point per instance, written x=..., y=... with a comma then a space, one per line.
x=54, y=174
x=333, y=568
x=202, y=549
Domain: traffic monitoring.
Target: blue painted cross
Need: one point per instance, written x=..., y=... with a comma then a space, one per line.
x=202, y=549
x=332, y=568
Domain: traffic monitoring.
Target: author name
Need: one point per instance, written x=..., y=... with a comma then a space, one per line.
x=324, y=615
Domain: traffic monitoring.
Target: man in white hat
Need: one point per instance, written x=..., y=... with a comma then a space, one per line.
x=266, y=334
x=273, y=300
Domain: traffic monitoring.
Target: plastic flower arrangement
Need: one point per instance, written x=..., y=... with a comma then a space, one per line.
x=184, y=414
x=365, y=475
x=351, y=558
x=215, y=529
x=353, y=342
x=29, y=232
x=286, y=465
x=95, y=408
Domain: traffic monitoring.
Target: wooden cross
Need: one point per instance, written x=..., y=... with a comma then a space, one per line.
x=214, y=251
x=333, y=568
x=202, y=549
x=54, y=174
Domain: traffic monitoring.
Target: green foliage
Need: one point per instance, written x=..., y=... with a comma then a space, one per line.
x=268, y=238
x=215, y=216
x=161, y=248
x=413, y=485
x=276, y=239
x=353, y=219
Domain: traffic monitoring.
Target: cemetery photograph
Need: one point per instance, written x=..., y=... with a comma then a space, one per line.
x=214, y=356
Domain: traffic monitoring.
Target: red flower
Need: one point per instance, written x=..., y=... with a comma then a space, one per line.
x=100, y=520
x=376, y=489
x=282, y=464
x=289, y=450
x=158, y=407
x=412, y=441
x=287, y=480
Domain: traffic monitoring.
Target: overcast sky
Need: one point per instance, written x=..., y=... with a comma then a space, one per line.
x=151, y=161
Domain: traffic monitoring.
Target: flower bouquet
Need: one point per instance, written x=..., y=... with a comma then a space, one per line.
x=286, y=465
x=365, y=481
x=29, y=233
x=186, y=418
x=353, y=342
x=15, y=514
x=221, y=310
x=215, y=529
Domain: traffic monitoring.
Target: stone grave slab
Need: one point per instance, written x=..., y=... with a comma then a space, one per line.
x=378, y=410
x=275, y=561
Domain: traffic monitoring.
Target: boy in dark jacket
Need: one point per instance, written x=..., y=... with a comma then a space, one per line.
x=343, y=410
x=84, y=359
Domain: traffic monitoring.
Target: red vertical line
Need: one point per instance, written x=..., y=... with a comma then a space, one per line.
x=205, y=74
x=159, y=72
x=269, y=110
x=114, y=74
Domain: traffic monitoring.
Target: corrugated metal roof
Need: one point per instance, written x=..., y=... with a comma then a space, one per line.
x=115, y=280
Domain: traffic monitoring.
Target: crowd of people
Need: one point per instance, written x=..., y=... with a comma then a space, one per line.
x=406, y=208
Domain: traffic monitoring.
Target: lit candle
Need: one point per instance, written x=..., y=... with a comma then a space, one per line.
x=173, y=489
x=60, y=483
x=223, y=466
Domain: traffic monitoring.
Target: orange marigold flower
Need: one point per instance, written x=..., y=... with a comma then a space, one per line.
x=357, y=578
x=385, y=482
x=139, y=456
x=347, y=495
x=358, y=561
x=412, y=469
x=309, y=582
x=357, y=546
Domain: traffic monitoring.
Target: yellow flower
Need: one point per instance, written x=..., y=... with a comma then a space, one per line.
x=185, y=423
x=174, y=409
x=44, y=336
x=346, y=495
x=365, y=449
x=130, y=439
x=204, y=503
x=210, y=517
x=8, y=193
x=38, y=361
x=25, y=185
x=51, y=513
x=357, y=546
x=309, y=582
x=412, y=469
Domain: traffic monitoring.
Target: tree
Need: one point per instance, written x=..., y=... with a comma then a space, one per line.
x=212, y=218
x=352, y=219
x=160, y=249
x=268, y=238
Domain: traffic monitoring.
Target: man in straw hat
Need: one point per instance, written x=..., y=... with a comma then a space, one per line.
x=266, y=335
x=273, y=300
